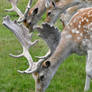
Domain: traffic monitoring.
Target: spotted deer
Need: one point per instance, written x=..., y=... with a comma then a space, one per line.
x=54, y=13
x=33, y=15
x=76, y=37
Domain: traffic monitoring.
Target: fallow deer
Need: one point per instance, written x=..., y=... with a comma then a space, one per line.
x=76, y=37
x=33, y=15
x=54, y=12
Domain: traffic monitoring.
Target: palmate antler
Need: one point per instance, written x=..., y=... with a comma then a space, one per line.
x=16, y=9
x=51, y=36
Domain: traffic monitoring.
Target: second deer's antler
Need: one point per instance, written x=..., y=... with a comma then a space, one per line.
x=16, y=9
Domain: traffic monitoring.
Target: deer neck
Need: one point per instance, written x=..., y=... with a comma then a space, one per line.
x=63, y=50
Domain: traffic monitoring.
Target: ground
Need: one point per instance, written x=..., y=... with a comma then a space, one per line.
x=70, y=76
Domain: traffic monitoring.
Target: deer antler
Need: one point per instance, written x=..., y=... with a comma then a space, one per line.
x=51, y=36
x=24, y=37
x=16, y=9
x=13, y=3
x=26, y=11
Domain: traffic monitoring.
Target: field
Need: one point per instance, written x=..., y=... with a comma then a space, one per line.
x=70, y=76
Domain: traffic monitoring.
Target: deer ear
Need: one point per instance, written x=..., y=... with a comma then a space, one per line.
x=47, y=64
x=53, y=3
x=35, y=11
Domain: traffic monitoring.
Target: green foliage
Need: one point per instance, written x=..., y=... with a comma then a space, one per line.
x=70, y=76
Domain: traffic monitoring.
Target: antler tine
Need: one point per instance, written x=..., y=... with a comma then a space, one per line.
x=28, y=7
x=35, y=67
x=26, y=11
x=48, y=54
x=22, y=34
x=13, y=2
x=14, y=8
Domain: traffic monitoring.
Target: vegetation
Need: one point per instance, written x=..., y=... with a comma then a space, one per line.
x=70, y=76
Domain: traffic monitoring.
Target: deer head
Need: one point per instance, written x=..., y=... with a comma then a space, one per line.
x=60, y=7
x=54, y=13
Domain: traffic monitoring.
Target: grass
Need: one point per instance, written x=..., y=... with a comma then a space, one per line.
x=70, y=76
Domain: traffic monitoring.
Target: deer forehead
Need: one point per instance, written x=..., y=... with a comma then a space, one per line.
x=31, y=11
x=80, y=25
x=40, y=4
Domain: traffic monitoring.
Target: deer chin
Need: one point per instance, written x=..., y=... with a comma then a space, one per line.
x=42, y=80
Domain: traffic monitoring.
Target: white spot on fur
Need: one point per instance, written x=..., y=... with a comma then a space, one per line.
x=81, y=34
x=79, y=26
x=80, y=22
x=87, y=20
x=78, y=38
x=77, y=32
x=74, y=30
x=68, y=36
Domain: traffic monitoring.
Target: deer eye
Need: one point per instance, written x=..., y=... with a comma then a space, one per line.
x=47, y=64
x=42, y=78
x=53, y=3
x=49, y=13
x=35, y=11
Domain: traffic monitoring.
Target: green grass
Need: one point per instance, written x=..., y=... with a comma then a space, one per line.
x=70, y=76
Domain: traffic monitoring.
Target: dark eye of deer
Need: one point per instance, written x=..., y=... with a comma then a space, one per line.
x=42, y=78
x=47, y=64
x=49, y=13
